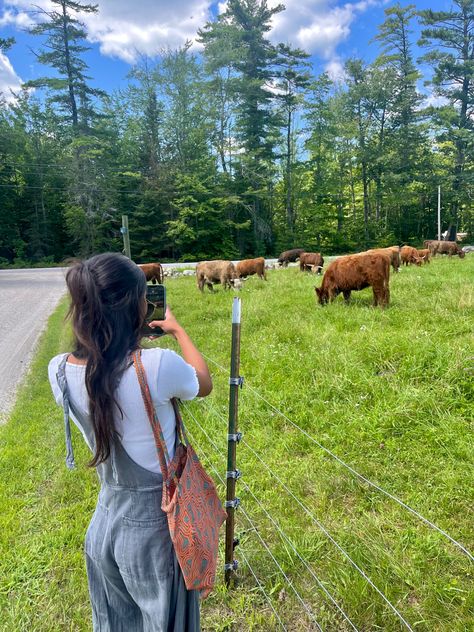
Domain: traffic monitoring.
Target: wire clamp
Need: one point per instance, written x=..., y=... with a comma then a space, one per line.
x=233, y=566
x=236, y=381
x=233, y=474
x=232, y=503
x=237, y=437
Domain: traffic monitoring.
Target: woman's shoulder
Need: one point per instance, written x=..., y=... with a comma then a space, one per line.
x=55, y=362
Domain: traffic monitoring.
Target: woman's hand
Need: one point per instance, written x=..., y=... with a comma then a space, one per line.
x=192, y=356
x=170, y=325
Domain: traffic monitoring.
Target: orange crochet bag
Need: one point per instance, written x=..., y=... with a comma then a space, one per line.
x=189, y=500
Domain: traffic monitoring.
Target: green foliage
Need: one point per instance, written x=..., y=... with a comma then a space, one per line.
x=239, y=151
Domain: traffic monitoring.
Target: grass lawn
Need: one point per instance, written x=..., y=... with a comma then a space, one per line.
x=389, y=392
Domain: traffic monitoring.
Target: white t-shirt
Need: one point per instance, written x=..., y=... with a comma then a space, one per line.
x=168, y=376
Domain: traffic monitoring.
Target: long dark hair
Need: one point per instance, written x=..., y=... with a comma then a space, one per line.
x=107, y=310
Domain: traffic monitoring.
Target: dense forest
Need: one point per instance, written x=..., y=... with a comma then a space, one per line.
x=236, y=148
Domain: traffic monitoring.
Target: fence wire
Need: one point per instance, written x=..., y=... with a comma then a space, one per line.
x=329, y=536
x=259, y=584
x=279, y=529
x=351, y=469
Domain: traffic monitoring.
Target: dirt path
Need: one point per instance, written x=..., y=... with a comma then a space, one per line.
x=27, y=298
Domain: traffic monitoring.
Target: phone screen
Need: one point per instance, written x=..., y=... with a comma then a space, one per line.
x=156, y=299
x=156, y=309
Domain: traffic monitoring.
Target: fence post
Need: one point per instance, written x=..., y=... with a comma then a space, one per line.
x=233, y=437
x=126, y=236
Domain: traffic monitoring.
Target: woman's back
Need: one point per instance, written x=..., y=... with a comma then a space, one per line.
x=168, y=376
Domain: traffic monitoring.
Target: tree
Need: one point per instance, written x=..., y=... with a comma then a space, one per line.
x=449, y=36
x=63, y=52
x=292, y=80
x=245, y=24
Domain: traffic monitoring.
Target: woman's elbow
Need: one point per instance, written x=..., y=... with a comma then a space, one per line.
x=205, y=388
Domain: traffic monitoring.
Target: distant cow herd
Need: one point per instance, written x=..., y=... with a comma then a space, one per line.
x=344, y=275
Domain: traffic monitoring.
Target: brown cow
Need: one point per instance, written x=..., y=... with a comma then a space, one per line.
x=247, y=267
x=153, y=271
x=210, y=272
x=311, y=261
x=446, y=248
x=425, y=254
x=356, y=272
x=289, y=255
x=409, y=255
x=394, y=252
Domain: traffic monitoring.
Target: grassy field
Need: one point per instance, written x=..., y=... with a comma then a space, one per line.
x=389, y=392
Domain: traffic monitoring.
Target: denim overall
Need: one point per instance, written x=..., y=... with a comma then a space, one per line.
x=135, y=582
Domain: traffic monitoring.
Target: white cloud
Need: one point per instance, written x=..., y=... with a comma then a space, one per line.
x=335, y=70
x=9, y=80
x=127, y=28
x=317, y=26
x=434, y=100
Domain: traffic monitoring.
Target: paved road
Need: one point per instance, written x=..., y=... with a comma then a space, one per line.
x=27, y=298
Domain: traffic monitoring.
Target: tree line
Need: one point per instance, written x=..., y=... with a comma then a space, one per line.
x=238, y=149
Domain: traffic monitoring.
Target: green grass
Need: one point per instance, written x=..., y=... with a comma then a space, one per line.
x=390, y=392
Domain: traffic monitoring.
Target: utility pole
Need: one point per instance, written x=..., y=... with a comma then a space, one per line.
x=126, y=236
x=439, y=213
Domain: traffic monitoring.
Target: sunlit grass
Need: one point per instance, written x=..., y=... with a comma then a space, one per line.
x=389, y=392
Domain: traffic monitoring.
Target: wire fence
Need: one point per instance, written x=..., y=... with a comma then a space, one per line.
x=313, y=582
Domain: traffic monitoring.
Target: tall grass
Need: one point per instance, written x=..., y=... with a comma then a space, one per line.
x=389, y=392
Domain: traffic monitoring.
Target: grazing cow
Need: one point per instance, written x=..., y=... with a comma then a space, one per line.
x=247, y=267
x=446, y=248
x=409, y=255
x=425, y=254
x=311, y=261
x=393, y=252
x=289, y=255
x=153, y=271
x=210, y=272
x=356, y=272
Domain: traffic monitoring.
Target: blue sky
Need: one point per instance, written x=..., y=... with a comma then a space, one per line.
x=330, y=30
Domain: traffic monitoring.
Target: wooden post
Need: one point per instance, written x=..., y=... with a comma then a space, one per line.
x=439, y=213
x=126, y=236
x=233, y=438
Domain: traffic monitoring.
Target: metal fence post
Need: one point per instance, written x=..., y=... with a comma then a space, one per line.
x=233, y=437
x=126, y=236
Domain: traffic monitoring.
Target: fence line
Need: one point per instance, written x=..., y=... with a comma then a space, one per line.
x=280, y=530
x=260, y=585
x=352, y=470
x=329, y=536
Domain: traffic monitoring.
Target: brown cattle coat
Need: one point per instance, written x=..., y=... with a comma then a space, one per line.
x=247, y=267
x=409, y=255
x=356, y=272
x=311, y=261
x=289, y=255
x=153, y=271
x=211, y=272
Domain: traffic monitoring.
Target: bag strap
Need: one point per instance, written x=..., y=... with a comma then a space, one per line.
x=160, y=442
x=62, y=383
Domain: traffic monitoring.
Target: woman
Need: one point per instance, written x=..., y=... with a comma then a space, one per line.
x=135, y=583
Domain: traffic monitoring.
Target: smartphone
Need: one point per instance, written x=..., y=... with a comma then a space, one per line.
x=156, y=309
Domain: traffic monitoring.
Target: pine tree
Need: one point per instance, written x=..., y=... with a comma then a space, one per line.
x=450, y=37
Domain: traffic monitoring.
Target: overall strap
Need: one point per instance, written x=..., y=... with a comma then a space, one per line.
x=160, y=442
x=62, y=382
